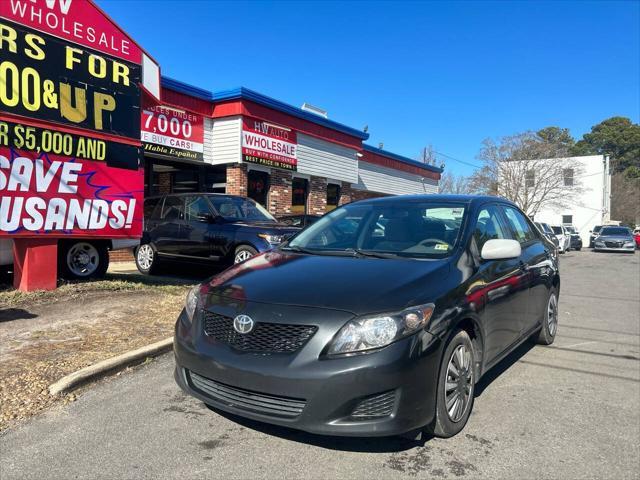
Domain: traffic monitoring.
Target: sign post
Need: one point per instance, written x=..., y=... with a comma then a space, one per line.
x=71, y=83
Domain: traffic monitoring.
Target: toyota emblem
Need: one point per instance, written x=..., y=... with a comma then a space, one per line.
x=243, y=324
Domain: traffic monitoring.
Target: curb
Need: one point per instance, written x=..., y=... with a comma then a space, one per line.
x=94, y=371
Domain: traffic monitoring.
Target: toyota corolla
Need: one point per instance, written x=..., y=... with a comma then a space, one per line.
x=379, y=319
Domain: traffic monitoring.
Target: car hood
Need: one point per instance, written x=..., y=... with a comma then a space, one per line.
x=354, y=284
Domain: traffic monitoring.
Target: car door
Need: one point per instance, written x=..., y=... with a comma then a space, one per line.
x=167, y=231
x=535, y=263
x=195, y=235
x=223, y=232
x=497, y=286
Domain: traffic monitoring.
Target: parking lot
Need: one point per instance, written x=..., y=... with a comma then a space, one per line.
x=571, y=410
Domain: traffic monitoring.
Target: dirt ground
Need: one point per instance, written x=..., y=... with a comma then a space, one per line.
x=47, y=335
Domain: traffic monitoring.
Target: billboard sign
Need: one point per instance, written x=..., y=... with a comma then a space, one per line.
x=267, y=144
x=171, y=132
x=70, y=112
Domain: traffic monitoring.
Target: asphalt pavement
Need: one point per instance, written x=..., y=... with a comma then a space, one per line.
x=567, y=411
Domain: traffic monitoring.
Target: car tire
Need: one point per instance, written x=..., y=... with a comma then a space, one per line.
x=81, y=260
x=547, y=333
x=458, y=353
x=244, y=252
x=146, y=259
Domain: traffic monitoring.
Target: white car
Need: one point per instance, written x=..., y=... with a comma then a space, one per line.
x=564, y=238
x=77, y=258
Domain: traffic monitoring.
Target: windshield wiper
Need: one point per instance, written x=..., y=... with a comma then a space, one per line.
x=356, y=252
x=297, y=249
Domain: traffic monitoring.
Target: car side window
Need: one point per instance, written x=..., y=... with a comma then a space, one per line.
x=150, y=208
x=519, y=225
x=488, y=226
x=195, y=208
x=172, y=209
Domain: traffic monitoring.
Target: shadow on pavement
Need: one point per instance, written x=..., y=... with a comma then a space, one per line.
x=504, y=365
x=350, y=444
x=8, y=314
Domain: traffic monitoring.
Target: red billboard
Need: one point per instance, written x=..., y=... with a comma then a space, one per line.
x=268, y=144
x=69, y=122
x=172, y=132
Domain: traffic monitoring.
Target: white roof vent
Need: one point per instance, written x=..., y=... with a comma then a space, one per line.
x=315, y=110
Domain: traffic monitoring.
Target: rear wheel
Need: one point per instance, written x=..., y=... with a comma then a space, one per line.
x=83, y=260
x=244, y=252
x=550, y=322
x=456, y=384
x=146, y=259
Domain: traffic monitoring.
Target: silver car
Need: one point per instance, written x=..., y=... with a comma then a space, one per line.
x=563, y=236
x=615, y=239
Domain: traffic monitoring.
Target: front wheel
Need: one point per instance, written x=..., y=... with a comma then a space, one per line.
x=550, y=322
x=244, y=252
x=456, y=384
x=83, y=260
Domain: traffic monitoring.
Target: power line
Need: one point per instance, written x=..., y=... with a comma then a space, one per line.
x=458, y=160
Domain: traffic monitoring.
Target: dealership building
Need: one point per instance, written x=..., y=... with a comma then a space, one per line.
x=291, y=160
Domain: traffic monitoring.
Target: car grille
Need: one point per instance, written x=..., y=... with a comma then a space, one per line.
x=375, y=406
x=272, y=405
x=264, y=338
x=614, y=244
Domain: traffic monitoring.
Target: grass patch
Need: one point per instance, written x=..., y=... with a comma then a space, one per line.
x=112, y=282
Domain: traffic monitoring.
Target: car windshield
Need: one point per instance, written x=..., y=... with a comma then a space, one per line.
x=571, y=229
x=557, y=230
x=597, y=228
x=384, y=229
x=236, y=208
x=615, y=231
x=546, y=228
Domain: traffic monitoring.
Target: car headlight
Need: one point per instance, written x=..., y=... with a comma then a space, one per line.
x=272, y=239
x=375, y=331
x=629, y=244
x=599, y=244
x=192, y=302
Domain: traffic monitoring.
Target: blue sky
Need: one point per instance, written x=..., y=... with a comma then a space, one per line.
x=443, y=73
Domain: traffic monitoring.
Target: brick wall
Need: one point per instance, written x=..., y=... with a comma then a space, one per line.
x=164, y=182
x=317, y=200
x=237, y=179
x=364, y=195
x=122, y=255
x=280, y=192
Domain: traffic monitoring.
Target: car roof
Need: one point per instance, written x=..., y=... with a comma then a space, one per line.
x=438, y=197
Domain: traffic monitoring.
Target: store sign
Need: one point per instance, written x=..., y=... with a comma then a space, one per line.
x=69, y=122
x=268, y=144
x=172, y=133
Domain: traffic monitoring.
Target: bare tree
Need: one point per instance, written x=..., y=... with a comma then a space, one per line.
x=528, y=170
x=625, y=193
x=455, y=184
x=428, y=155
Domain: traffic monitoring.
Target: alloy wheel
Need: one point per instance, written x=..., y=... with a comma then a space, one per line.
x=83, y=259
x=552, y=314
x=242, y=255
x=458, y=383
x=145, y=256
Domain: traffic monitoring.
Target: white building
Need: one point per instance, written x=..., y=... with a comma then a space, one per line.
x=592, y=206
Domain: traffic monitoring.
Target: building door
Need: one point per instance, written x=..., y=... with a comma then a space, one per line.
x=258, y=186
x=300, y=191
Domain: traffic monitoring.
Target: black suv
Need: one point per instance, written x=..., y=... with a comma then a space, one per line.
x=197, y=227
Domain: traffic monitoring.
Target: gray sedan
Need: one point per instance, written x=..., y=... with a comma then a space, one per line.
x=617, y=239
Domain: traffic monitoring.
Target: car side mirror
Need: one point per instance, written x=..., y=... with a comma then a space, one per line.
x=500, y=249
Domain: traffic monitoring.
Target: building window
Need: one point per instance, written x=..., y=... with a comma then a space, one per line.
x=567, y=174
x=300, y=190
x=567, y=219
x=530, y=178
x=333, y=196
x=258, y=186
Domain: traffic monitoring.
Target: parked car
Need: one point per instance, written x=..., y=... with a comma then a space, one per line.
x=636, y=236
x=618, y=239
x=77, y=258
x=379, y=319
x=564, y=238
x=593, y=234
x=575, y=240
x=205, y=227
x=548, y=233
x=301, y=221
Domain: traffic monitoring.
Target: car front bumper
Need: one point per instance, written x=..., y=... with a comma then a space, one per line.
x=316, y=394
x=614, y=249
